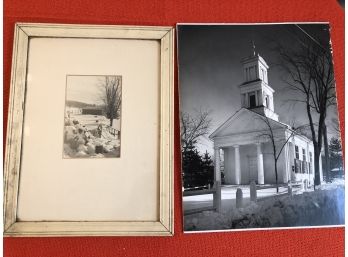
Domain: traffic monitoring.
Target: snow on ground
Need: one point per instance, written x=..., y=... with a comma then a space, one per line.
x=92, y=121
x=324, y=206
x=228, y=196
x=82, y=138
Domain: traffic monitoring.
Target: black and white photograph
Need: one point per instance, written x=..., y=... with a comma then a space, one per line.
x=259, y=127
x=92, y=122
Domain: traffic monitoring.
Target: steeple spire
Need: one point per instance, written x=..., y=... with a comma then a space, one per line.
x=253, y=47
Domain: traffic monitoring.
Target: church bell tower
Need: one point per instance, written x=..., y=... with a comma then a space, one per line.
x=256, y=93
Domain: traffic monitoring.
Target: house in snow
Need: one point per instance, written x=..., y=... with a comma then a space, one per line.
x=72, y=110
x=243, y=140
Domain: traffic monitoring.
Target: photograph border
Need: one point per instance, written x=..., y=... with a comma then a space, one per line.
x=12, y=164
x=254, y=229
x=66, y=92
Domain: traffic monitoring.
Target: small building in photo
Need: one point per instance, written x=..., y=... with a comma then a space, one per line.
x=92, y=110
x=73, y=110
x=244, y=138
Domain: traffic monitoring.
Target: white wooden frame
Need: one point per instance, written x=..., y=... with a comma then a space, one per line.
x=23, y=33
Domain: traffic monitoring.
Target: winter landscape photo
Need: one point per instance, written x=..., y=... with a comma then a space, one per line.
x=259, y=127
x=92, y=122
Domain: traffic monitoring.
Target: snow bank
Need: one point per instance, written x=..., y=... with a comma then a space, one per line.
x=79, y=141
x=316, y=208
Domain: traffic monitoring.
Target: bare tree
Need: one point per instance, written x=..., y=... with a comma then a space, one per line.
x=193, y=127
x=310, y=72
x=111, y=96
x=326, y=152
x=277, y=149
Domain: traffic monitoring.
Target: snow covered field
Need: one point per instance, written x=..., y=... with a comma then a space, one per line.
x=92, y=121
x=91, y=136
x=324, y=206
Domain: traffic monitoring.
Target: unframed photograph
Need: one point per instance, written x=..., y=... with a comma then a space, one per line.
x=92, y=124
x=260, y=137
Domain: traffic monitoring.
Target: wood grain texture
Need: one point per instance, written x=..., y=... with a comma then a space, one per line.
x=14, y=127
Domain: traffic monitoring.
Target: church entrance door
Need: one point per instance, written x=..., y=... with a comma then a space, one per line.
x=252, y=164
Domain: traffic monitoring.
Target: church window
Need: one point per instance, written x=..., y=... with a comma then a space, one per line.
x=297, y=166
x=304, y=161
x=298, y=163
x=252, y=100
x=297, y=154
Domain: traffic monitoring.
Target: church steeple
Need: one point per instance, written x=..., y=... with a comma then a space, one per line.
x=253, y=44
x=255, y=67
x=256, y=93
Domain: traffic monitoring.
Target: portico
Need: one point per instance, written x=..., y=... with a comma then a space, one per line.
x=233, y=163
x=246, y=153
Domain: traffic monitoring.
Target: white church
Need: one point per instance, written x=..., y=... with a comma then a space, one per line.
x=247, y=152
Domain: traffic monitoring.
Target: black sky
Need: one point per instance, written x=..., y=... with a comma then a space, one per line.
x=210, y=67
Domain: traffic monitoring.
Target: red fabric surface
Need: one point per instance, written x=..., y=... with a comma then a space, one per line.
x=293, y=242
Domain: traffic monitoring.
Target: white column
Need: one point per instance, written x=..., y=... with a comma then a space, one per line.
x=260, y=97
x=217, y=184
x=237, y=164
x=260, y=172
x=217, y=174
x=271, y=104
x=227, y=166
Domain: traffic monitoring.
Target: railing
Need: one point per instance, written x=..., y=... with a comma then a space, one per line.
x=112, y=130
x=215, y=190
x=291, y=185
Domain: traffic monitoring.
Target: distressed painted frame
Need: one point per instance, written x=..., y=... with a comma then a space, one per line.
x=165, y=225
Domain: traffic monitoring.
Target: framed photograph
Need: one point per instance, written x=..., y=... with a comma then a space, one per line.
x=89, y=148
x=261, y=146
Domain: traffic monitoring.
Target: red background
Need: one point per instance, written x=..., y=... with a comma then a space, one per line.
x=294, y=242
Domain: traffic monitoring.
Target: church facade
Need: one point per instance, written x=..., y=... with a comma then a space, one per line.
x=245, y=139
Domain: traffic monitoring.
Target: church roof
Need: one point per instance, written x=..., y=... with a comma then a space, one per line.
x=244, y=121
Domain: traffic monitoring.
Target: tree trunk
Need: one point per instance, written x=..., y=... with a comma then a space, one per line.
x=316, y=168
x=316, y=143
x=276, y=175
x=111, y=121
x=327, y=157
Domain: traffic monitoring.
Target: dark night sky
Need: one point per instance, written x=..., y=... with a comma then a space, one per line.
x=210, y=68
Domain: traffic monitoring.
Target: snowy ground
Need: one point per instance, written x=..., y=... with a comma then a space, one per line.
x=324, y=206
x=92, y=121
x=83, y=139
x=228, y=196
